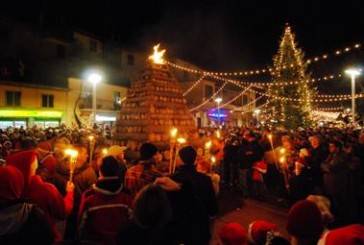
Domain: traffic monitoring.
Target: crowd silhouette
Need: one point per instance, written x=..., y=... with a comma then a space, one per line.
x=126, y=193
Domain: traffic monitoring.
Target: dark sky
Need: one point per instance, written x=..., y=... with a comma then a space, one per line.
x=216, y=35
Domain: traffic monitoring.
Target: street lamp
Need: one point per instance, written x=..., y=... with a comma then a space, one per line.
x=218, y=101
x=353, y=73
x=257, y=112
x=94, y=78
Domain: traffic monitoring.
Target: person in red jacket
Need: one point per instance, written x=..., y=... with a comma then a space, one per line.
x=20, y=221
x=105, y=209
x=44, y=194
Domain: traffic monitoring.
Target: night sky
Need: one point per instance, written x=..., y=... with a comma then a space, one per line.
x=216, y=35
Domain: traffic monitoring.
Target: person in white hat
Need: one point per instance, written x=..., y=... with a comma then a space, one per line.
x=118, y=153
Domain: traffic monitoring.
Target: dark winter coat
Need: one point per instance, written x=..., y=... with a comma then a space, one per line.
x=23, y=223
x=192, y=207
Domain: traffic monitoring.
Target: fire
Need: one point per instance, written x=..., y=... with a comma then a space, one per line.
x=157, y=56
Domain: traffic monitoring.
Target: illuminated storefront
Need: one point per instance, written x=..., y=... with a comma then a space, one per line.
x=29, y=118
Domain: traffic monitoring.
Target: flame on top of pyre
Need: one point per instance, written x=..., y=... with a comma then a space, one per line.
x=157, y=56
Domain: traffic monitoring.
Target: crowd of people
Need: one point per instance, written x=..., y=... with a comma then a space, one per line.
x=297, y=164
x=128, y=194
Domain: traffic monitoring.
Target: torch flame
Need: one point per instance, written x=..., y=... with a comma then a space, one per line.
x=208, y=144
x=157, y=56
x=173, y=132
x=270, y=136
x=104, y=151
x=282, y=159
x=71, y=152
x=181, y=140
x=218, y=135
x=213, y=160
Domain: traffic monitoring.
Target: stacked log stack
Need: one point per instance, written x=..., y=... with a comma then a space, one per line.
x=154, y=105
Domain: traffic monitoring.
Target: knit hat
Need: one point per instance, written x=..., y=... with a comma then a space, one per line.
x=11, y=183
x=110, y=167
x=115, y=150
x=49, y=162
x=188, y=155
x=23, y=161
x=304, y=220
x=347, y=235
x=233, y=233
x=147, y=151
x=258, y=229
x=324, y=204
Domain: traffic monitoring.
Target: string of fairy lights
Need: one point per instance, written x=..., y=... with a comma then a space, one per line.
x=235, y=97
x=249, y=105
x=207, y=100
x=194, y=85
x=255, y=87
x=338, y=108
x=259, y=85
x=315, y=59
x=325, y=114
x=320, y=98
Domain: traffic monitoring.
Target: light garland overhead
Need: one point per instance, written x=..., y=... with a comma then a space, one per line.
x=330, y=109
x=236, y=97
x=259, y=71
x=266, y=94
x=323, y=115
x=312, y=100
x=194, y=85
x=207, y=100
x=251, y=103
x=312, y=80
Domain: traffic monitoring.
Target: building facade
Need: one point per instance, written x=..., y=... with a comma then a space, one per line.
x=39, y=67
x=28, y=105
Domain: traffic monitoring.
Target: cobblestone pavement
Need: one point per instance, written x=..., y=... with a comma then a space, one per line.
x=234, y=208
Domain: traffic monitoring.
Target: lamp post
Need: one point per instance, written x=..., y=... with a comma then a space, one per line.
x=218, y=101
x=94, y=78
x=257, y=112
x=353, y=73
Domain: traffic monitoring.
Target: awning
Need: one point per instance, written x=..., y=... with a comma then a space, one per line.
x=31, y=113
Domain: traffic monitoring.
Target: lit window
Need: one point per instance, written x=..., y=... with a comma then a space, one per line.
x=117, y=100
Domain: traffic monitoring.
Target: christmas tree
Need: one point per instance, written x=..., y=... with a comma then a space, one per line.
x=291, y=94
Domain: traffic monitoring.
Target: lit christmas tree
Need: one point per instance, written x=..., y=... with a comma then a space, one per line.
x=290, y=89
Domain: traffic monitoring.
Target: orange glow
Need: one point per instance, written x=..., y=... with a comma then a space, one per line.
x=270, y=136
x=104, y=151
x=181, y=140
x=157, y=56
x=173, y=132
x=213, y=160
